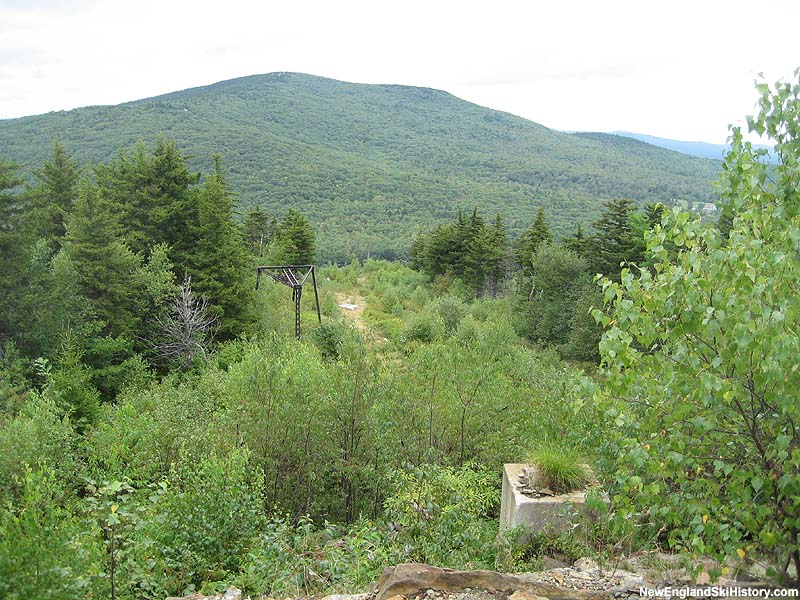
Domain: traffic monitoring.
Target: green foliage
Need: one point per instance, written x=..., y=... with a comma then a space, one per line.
x=371, y=162
x=53, y=196
x=466, y=249
x=114, y=366
x=584, y=332
x=204, y=524
x=451, y=309
x=558, y=275
x=528, y=243
x=45, y=550
x=701, y=361
x=14, y=379
x=424, y=327
x=155, y=199
x=148, y=432
x=616, y=239
x=38, y=436
x=337, y=340
x=218, y=261
x=257, y=230
x=560, y=470
x=295, y=240
x=292, y=559
x=106, y=267
x=50, y=304
x=12, y=243
x=442, y=514
x=118, y=512
x=70, y=385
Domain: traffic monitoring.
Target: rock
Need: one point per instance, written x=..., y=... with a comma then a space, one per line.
x=632, y=582
x=354, y=597
x=520, y=595
x=587, y=565
x=585, y=575
x=472, y=595
x=232, y=593
x=407, y=579
x=549, y=563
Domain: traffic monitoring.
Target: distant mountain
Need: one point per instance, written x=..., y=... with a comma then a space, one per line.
x=370, y=164
x=700, y=149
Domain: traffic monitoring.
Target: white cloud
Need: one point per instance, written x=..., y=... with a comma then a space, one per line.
x=680, y=69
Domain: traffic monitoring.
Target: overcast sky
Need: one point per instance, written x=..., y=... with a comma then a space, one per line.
x=677, y=69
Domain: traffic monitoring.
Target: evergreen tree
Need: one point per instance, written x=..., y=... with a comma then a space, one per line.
x=529, y=242
x=653, y=213
x=296, y=240
x=53, y=196
x=444, y=252
x=156, y=199
x=12, y=244
x=50, y=303
x=578, y=243
x=258, y=229
x=497, y=256
x=418, y=254
x=106, y=267
x=219, y=260
x=466, y=249
x=613, y=241
x=473, y=265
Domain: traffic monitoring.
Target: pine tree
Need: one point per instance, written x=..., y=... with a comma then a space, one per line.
x=53, y=196
x=219, y=260
x=418, y=254
x=258, y=229
x=155, y=198
x=296, y=240
x=474, y=265
x=444, y=251
x=12, y=244
x=497, y=256
x=613, y=241
x=105, y=265
x=528, y=243
x=578, y=243
x=50, y=303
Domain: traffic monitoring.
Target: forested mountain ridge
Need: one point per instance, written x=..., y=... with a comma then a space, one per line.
x=370, y=164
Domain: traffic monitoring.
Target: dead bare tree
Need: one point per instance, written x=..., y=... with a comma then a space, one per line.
x=187, y=329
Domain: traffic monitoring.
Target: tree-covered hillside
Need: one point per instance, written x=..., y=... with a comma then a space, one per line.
x=372, y=163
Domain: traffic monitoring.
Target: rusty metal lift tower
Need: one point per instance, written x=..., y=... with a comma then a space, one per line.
x=292, y=276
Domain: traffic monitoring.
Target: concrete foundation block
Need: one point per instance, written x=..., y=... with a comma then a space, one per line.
x=553, y=514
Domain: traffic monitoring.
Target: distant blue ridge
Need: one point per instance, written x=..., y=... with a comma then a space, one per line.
x=701, y=149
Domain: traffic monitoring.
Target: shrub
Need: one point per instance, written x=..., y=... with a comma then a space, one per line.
x=701, y=372
x=451, y=309
x=337, y=340
x=46, y=551
x=206, y=522
x=446, y=515
x=424, y=327
x=38, y=435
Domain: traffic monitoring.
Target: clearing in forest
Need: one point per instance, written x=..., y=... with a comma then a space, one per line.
x=352, y=305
